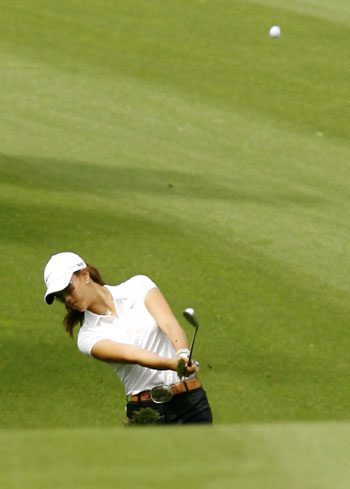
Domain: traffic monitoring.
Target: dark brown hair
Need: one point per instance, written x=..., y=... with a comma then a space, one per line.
x=73, y=316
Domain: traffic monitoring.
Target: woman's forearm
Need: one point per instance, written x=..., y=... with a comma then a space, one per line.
x=111, y=351
x=166, y=320
x=147, y=358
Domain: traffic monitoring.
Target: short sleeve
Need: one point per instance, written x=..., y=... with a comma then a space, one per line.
x=88, y=338
x=143, y=285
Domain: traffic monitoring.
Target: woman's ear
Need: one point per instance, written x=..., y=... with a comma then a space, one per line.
x=85, y=275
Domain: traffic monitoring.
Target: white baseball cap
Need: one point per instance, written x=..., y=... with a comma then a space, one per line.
x=58, y=272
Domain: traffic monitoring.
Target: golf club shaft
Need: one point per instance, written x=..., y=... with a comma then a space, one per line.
x=192, y=345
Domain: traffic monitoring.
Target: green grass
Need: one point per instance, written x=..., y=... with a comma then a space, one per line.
x=178, y=140
x=296, y=456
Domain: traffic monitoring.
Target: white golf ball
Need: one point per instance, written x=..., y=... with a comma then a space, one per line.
x=275, y=31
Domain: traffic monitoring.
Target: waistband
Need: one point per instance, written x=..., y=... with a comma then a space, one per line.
x=179, y=388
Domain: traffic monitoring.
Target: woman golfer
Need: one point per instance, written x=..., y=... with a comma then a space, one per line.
x=132, y=328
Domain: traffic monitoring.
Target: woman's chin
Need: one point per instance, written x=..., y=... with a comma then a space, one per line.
x=77, y=307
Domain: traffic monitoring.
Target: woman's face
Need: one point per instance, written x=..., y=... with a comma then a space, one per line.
x=74, y=295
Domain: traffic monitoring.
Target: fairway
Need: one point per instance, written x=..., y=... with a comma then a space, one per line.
x=178, y=140
x=297, y=456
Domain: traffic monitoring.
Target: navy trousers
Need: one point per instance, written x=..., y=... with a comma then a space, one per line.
x=186, y=408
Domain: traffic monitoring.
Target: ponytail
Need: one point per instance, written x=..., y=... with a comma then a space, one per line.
x=73, y=316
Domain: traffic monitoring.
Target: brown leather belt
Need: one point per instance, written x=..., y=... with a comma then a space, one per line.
x=179, y=388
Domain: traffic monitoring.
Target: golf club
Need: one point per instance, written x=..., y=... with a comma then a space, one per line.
x=190, y=315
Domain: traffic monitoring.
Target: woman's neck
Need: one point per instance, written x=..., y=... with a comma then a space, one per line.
x=103, y=302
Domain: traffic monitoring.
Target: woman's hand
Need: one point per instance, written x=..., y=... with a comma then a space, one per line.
x=186, y=369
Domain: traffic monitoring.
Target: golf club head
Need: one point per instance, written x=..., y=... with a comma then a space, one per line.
x=190, y=315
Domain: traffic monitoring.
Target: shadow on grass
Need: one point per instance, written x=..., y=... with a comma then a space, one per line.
x=94, y=179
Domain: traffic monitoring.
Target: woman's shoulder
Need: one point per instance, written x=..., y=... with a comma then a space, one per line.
x=136, y=281
x=135, y=286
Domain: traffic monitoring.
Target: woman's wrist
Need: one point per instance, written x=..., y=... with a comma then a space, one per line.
x=183, y=353
x=173, y=363
x=165, y=363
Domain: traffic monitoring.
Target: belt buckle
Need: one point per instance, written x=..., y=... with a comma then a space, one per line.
x=161, y=394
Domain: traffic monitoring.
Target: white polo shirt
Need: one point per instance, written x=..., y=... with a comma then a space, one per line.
x=134, y=326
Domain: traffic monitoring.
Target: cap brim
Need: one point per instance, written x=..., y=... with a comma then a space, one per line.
x=57, y=286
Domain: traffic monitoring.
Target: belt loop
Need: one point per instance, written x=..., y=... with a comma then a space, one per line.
x=186, y=386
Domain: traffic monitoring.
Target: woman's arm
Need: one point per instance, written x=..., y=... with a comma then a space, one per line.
x=166, y=320
x=111, y=351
